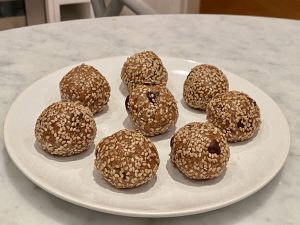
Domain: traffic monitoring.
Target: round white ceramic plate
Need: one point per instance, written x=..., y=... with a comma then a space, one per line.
x=251, y=166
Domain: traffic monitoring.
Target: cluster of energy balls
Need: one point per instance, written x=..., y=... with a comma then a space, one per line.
x=127, y=159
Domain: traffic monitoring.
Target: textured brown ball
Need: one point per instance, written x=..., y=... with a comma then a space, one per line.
x=143, y=68
x=152, y=109
x=65, y=129
x=236, y=114
x=126, y=159
x=202, y=84
x=86, y=85
x=200, y=151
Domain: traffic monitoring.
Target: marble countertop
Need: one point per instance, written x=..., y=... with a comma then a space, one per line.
x=263, y=50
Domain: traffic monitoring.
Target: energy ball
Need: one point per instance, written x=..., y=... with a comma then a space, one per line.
x=152, y=109
x=143, y=68
x=126, y=159
x=86, y=85
x=65, y=129
x=202, y=84
x=200, y=151
x=236, y=114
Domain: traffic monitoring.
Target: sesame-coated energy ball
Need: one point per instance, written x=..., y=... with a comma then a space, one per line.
x=200, y=151
x=126, y=159
x=65, y=129
x=143, y=68
x=152, y=109
x=202, y=84
x=86, y=85
x=236, y=114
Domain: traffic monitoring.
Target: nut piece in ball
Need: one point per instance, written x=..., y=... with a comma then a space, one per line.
x=200, y=151
x=126, y=159
x=86, y=85
x=143, y=68
x=236, y=114
x=152, y=109
x=65, y=129
x=202, y=84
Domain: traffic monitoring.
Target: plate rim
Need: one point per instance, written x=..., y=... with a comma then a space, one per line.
x=131, y=212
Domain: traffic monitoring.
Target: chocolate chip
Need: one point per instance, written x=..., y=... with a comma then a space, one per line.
x=124, y=175
x=214, y=147
x=171, y=142
x=240, y=124
x=126, y=103
x=151, y=95
x=147, y=84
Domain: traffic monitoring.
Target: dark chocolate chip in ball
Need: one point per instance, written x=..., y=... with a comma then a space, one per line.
x=126, y=102
x=152, y=95
x=240, y=124
x=171, y=141
x=214, y=147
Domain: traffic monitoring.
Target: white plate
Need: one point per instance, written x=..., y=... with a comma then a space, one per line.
x=251, y=166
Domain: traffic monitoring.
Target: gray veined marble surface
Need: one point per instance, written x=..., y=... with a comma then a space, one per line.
x=263, y=50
